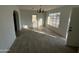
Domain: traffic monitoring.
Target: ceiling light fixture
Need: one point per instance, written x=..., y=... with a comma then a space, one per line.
x=40, y=10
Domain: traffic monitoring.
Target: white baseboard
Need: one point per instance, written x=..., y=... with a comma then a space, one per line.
x=4, y=51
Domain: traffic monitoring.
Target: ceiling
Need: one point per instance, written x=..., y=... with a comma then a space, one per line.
x=35, y=7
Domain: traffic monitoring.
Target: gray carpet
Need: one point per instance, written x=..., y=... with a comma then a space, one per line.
x=34, y=42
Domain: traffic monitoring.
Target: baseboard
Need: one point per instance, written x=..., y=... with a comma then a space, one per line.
x=4, y=51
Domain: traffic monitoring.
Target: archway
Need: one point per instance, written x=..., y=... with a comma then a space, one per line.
x=16, y=21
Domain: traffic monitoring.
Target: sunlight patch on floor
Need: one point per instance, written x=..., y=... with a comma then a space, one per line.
x=43, y=33
x=25, y=26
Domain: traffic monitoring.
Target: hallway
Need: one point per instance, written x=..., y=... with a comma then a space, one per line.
x=31, y=41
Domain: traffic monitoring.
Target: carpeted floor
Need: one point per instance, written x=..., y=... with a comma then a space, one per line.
x=33, y=42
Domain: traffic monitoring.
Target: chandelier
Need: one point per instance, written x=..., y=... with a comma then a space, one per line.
x=40, y=10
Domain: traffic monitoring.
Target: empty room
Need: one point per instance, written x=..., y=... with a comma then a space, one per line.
x=39, y=28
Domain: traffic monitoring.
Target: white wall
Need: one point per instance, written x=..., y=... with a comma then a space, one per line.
x=7, y=32
x=26, y=17
x=64, y=17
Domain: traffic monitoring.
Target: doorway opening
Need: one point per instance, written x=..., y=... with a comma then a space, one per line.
x=16, y=21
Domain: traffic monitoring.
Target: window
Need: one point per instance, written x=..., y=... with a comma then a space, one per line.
x=34, y=21
x=34, y=18
x=40, y=22
x=54, y=19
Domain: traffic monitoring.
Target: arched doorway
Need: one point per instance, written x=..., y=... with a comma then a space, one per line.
x=16, y=21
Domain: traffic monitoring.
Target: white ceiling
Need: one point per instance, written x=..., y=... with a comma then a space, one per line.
x=35, y=7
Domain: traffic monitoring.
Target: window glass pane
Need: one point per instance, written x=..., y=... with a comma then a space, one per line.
x=54, y=19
